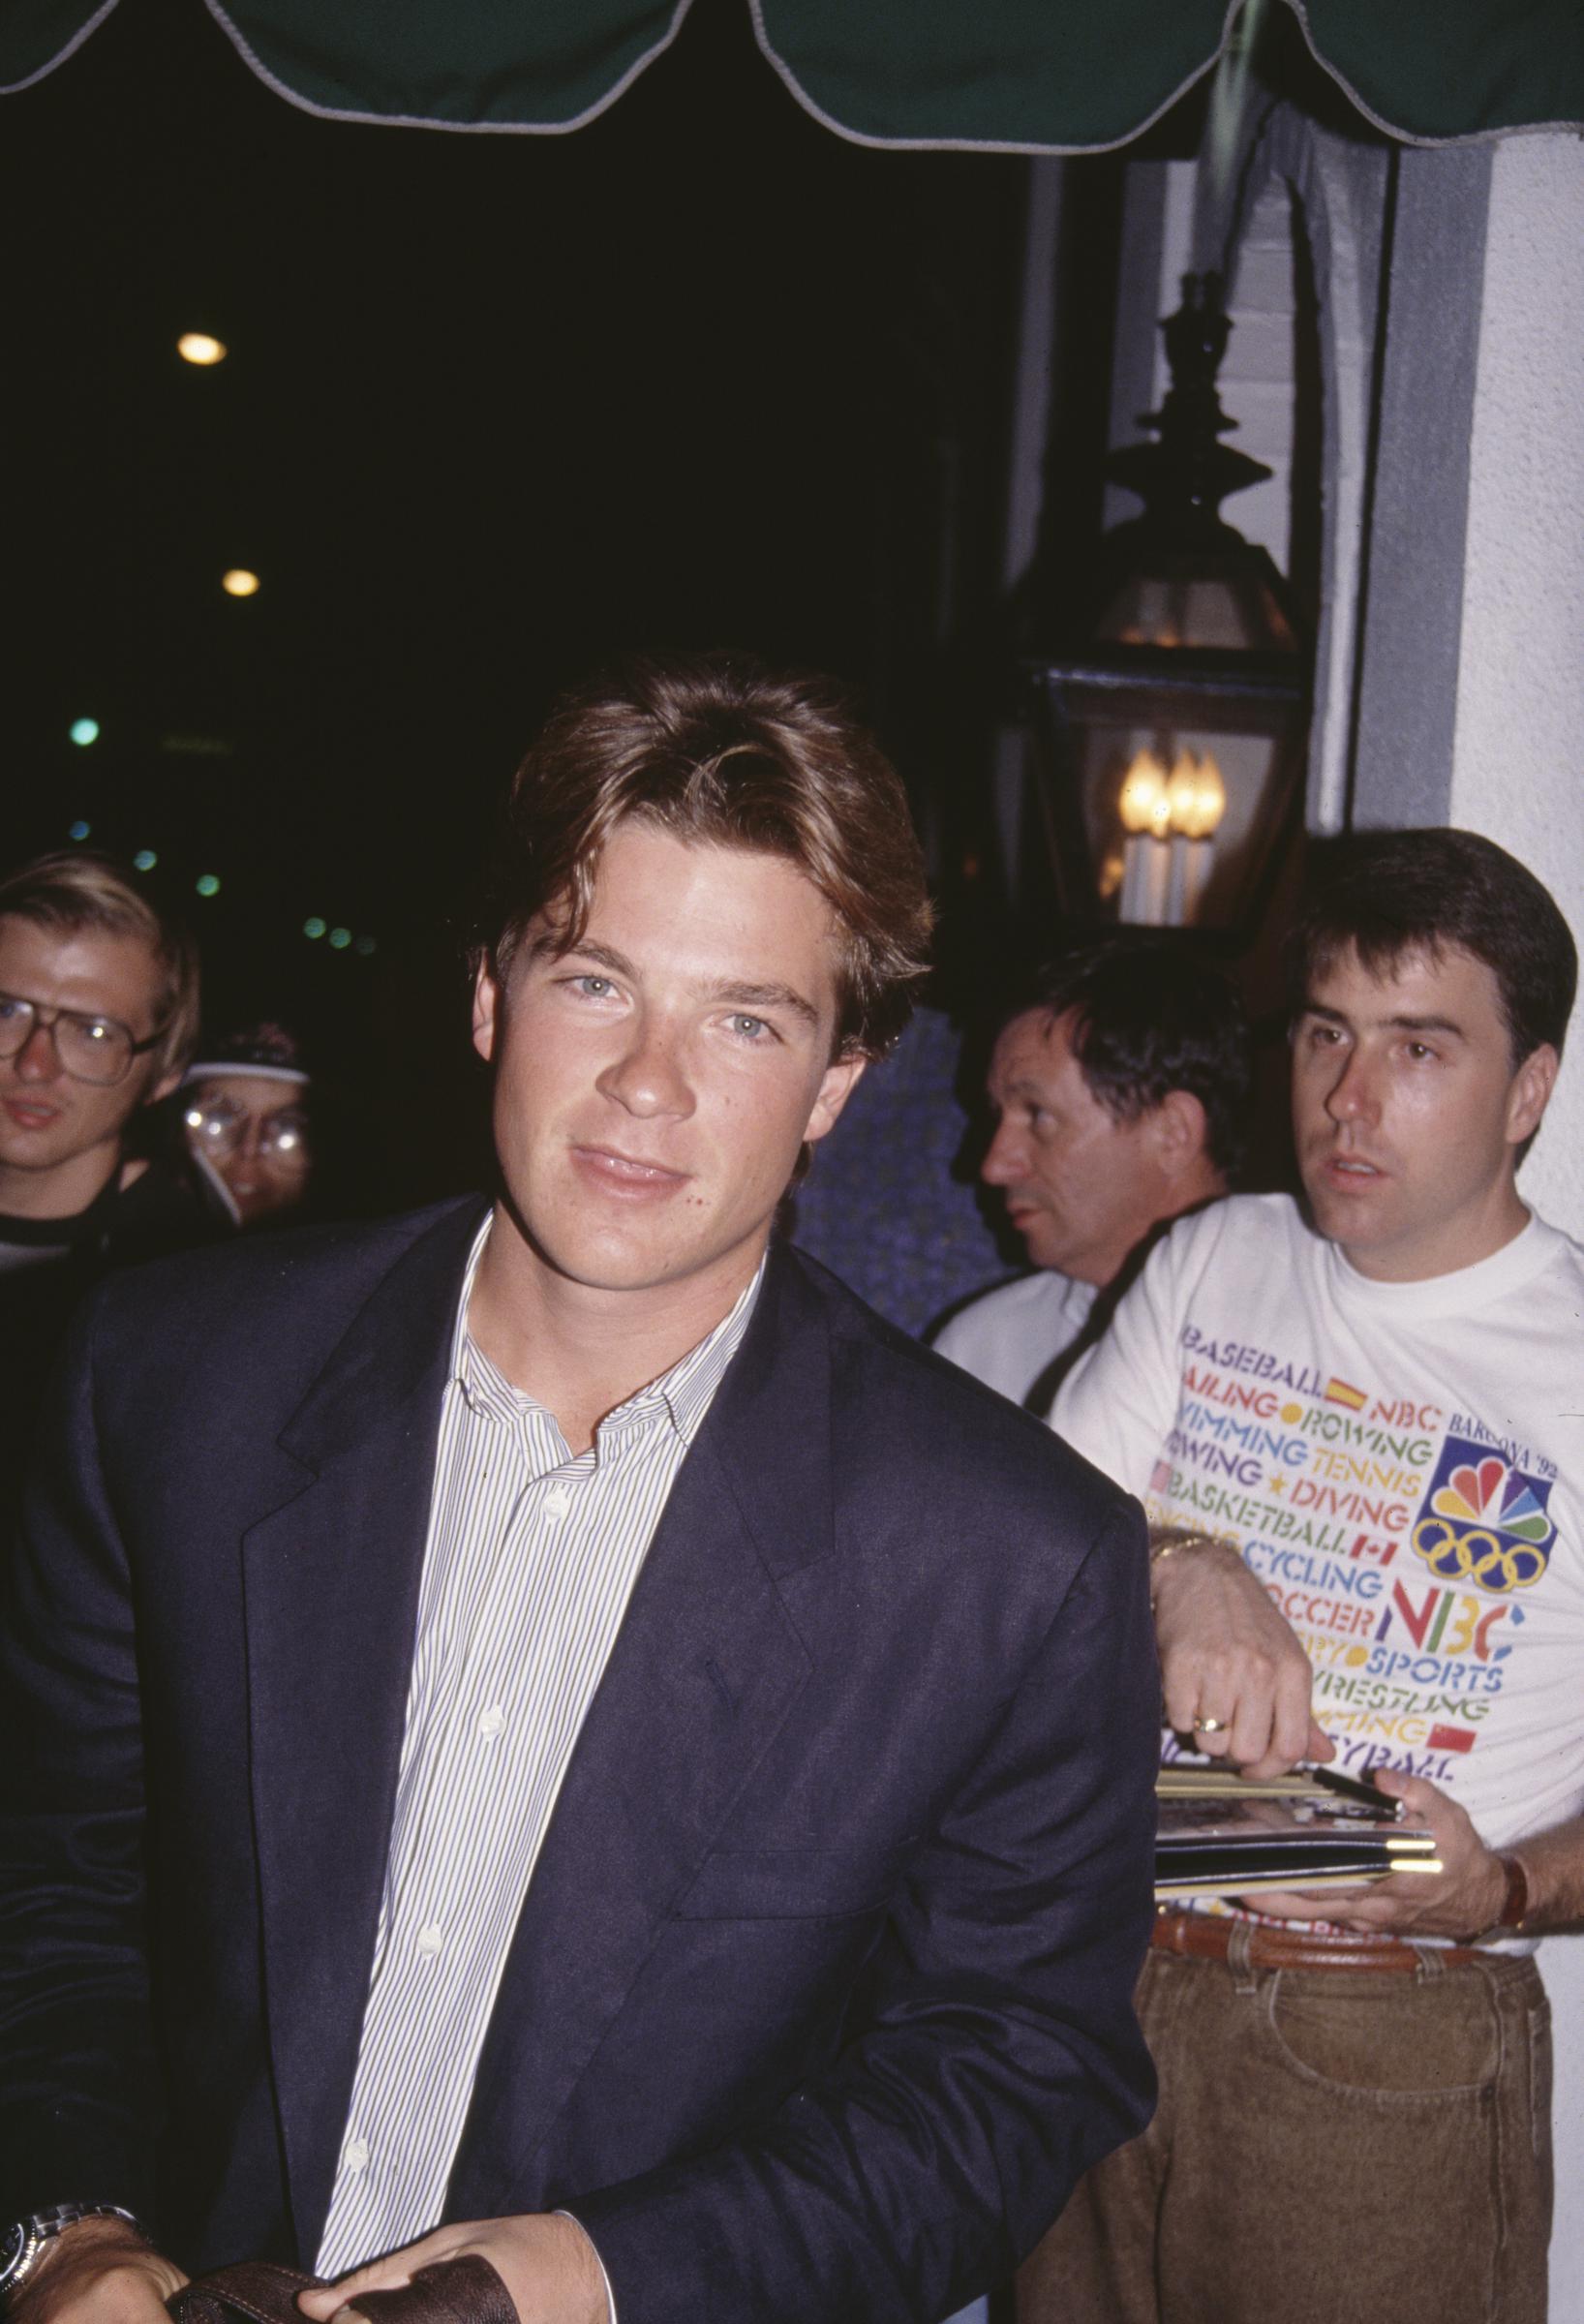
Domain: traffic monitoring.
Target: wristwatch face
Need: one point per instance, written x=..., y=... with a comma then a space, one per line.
x=13, y=2243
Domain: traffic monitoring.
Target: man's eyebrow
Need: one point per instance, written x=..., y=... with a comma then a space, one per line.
x=738, y=995
x=767, y=996
x=1401, y=1022
x=1428, y=1024
x=548, y=947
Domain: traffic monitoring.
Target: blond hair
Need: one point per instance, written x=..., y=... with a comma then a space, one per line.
x=78, y=891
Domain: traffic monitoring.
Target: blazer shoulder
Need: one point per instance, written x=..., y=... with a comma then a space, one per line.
x=305, y=1279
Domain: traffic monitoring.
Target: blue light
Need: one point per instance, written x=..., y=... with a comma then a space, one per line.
x=77, y=831
x=339, y=938
x=84, y=731
x=364, y=945
x=206, y=884
x=314, y=927
x=144, y=859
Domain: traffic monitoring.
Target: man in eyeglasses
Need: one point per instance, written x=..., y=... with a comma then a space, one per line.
x=99, y=1009
x=246, y=1115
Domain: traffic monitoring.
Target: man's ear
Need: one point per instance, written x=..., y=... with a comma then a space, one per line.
x=1179, y=1127
x=1531, y=1092
x=841, y=1080
x=486, y=1003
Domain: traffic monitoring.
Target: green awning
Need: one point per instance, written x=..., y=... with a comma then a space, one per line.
x=1021, y=76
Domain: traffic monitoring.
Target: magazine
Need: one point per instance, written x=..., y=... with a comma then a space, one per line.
x=1220, y=1834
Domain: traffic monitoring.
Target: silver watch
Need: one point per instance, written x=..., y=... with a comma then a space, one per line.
x=22, y=2244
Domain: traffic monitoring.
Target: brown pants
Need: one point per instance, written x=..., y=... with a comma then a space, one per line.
x=1329, y=2147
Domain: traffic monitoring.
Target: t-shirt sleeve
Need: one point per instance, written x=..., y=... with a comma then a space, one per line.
x=1119, y=1403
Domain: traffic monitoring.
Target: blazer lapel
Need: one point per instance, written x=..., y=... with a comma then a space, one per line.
x=330, y=1582
x=705, y=1667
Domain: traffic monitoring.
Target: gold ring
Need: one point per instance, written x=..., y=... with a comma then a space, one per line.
x=1210, y=1727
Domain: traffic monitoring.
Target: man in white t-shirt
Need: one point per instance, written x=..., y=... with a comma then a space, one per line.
x=1359, y=1432
x=1119, y=1087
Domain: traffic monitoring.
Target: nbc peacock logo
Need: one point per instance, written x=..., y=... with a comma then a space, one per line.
x=1484, y=1523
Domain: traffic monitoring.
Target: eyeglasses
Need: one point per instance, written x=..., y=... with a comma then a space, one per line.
x=91, y=1049
x=220, y=1126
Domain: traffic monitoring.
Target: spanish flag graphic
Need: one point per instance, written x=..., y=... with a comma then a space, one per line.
x=1341, y=1391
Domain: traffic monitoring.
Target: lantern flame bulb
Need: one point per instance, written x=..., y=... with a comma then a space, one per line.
x=1142, y=802
x=1198, y=797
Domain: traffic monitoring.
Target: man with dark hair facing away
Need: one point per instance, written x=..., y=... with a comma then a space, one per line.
x=1357, y=1429
x=1120, y=1085
x=545, y=1734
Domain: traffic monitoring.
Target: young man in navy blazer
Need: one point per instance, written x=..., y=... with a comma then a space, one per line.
x=549, y=1730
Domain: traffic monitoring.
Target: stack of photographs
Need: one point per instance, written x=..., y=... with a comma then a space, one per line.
x=1220, y=1834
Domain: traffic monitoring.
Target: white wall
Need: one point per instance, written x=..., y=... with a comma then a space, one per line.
x=1518, y=760
x=1518, y=747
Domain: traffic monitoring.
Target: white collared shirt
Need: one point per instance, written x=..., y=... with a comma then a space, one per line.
x=530, y=1559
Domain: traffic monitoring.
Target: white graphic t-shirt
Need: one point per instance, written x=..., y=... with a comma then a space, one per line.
x=1400, y=1463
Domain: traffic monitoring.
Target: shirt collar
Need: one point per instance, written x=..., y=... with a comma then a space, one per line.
x=681, y=1397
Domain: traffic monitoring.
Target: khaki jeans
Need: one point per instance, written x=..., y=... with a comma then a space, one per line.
x=1330, y=2147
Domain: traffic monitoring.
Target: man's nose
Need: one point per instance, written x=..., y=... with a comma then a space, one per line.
x=1352, y=1095
x=1007, y=1161
x=38, y=1059
x=650, y=1076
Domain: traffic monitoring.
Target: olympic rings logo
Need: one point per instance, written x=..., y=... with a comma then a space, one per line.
x=1477, y=1556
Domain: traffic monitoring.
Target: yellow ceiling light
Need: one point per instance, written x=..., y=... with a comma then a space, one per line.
x=201, y=348
x=239, y=582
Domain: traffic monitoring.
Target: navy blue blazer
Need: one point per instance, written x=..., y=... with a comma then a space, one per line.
x=820, y=1998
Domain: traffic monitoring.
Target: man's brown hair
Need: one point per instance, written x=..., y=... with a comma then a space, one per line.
x=72, y=892
x=717, y=750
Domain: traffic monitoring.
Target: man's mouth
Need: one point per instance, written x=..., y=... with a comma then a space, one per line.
x=626, y=1174
x=30, y=1114
x=1350, y=1169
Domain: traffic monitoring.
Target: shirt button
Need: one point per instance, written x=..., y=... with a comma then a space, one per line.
x=557, y=1501
x=356, y=2156
x=491, y=1721
x=430, y=1940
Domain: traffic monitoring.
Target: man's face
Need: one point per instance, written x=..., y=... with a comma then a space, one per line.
x=1082, y=1188
x=654, y=1084
x=263, y=1155
x=1408, y=1113
x=49, y=1124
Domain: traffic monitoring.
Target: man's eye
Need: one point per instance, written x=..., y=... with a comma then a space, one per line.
x=752, y=1028
x=596, y=987
x=1419, y=1051
x=95, y=1030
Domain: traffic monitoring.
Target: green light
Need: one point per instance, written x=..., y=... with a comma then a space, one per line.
x=77, y=831
x=144, y=859
x=314, y=927
x=339, y=938
x=84, y=731
x=364, y=945
x=206, y=884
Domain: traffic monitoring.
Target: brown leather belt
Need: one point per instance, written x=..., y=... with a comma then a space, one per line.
x=1213, y=1937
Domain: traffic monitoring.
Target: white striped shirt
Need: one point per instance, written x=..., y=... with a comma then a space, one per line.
x=530, y=1559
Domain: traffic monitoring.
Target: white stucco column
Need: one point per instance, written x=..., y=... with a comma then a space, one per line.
x=1518, y=761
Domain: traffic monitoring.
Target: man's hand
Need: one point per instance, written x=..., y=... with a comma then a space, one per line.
x=1227, y=1656
x=547, y=2263
x=1462, y=1899
x=99, y=2272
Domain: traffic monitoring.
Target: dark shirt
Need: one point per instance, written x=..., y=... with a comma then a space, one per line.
x=47, y=1265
